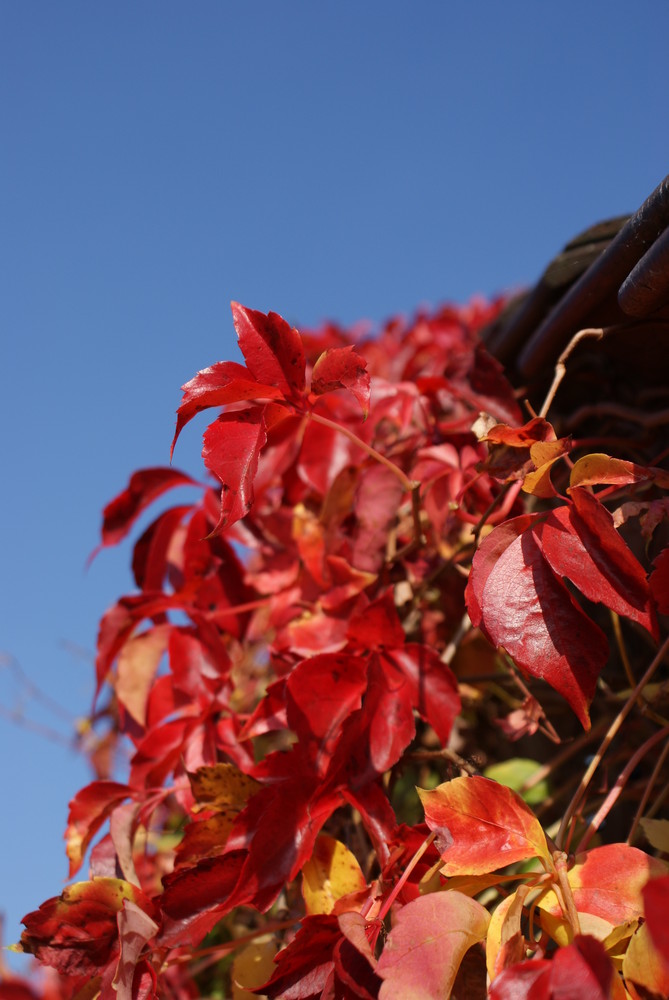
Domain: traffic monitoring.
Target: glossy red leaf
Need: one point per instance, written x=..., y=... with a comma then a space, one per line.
x=387, y=722
x=481, y=826
x=427, y=943
x=222, y=383
x=89, y=809
x=611, y=570
x=590, y=552
x=486, y=558
x=342, y=368
x=519, y=603
x=273, y=350
x=144, y=487
x=232, y=444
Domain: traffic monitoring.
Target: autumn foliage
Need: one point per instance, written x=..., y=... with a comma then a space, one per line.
x=390, y=684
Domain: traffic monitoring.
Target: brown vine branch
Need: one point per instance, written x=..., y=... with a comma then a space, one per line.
x=606, y=742
x=561, y=366
x=615, y=792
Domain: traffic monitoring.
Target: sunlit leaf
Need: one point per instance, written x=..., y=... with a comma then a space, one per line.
x=342, y=368
x=481, y=826
x=273, y=350
x=427, y=943
x=331, y=872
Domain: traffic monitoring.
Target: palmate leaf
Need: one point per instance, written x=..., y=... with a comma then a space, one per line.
x=273, y=350
x=222, y=383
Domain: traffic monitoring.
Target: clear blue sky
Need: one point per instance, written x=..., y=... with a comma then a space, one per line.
x=325, y=160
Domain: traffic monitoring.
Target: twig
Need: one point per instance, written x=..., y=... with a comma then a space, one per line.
x=646, y=794
x=561, y=368
x=614, y=794
x=606, y=742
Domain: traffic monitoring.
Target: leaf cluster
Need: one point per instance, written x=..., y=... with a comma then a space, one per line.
x=396, y=610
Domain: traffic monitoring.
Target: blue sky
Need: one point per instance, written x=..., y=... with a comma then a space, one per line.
x=325, y=160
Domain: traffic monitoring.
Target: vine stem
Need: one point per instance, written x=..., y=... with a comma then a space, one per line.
x=606, y=742
x=615, y=792
x=564, y=892
x=410, y=485
x=405, y=875
x=647, y=792
x=561, y=366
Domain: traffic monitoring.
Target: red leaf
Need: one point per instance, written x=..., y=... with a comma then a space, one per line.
x=596, y=561
x=656, y=907
x=273, y=350
x=525, y=981
x=306, y=964
x=378, y=625
x=481, y=826
x=378, y=497
x=144, y=487
x=149, y=557
x=582, y=969
x=609, y=570
x=89, y=808
x=121, y=619
x=225, y=382
x=231, y=448
x=323, y=691
x=433, y=686
x=520, y=604
x=486, y=558
x=387, y=718
x=342, y=368
x=424, y=949
x=77, y=931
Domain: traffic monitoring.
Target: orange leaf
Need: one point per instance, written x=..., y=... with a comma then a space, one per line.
x=481, y=826
x=599, y=469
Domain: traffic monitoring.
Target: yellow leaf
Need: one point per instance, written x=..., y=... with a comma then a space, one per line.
x=331, y=872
